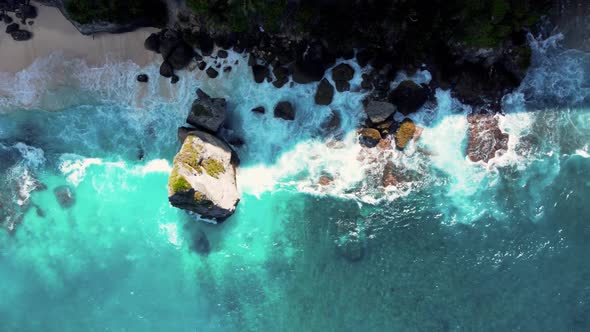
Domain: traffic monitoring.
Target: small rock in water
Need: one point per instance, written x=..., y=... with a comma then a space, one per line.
x=7, y=19
x=324, y=93
x=12, y=27
x=212, y=73
x=222, y=54
x=485, y=137
x=143, y=78
x=326, y=180
x=174, y=79
x=259, y=109
x=202, y=65
x=342, y=72
x=227, y=69
x=284, y=110
x=369, y=137
x=21, y=35
x=65, y=196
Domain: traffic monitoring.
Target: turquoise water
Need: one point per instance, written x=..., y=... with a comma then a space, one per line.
x=458, y=247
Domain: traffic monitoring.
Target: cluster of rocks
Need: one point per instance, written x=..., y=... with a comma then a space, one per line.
x=203, y=177
x=485, y=137
x=22, y=10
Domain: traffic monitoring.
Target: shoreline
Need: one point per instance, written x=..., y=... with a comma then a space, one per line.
x=53, y=33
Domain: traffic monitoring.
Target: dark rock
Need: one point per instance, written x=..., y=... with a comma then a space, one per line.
x=342, y=86
x=408, y=97
x=183, y=132
x=227, y=69
x=324, y=93
x=211, y=72
x=7, y=19
x=152, y=43
x=174, y=79
x=332, y=123
x=27, y=11
x=206, y=43
x=311, y=64
x=379, y=111
x=21, y=35
x=259, y=109
x=282, y=76
x=12, y=27
x=143, y=78
x=65, y=196
x=169, y=40
x=236, y=141
x=485, y=137
x=369, y=137
x=31, y=22
x=166, y=69
x=207, y=112
x=181, y=56
x=202, y=65
x=284, y=110
x=364, y=57
x=222, y=54
x=260, y=73
x=342, y=72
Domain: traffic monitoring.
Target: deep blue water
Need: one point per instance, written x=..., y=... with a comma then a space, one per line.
x=458, y=247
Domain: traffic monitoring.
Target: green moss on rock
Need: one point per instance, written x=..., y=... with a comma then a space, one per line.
x=190, y=155
x=213, y=167
x=177, y=182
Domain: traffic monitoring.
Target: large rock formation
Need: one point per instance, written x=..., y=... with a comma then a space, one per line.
x=206, y=112
x=203, y=177
x=485, y=137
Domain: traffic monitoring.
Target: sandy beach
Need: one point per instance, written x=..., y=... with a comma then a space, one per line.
x=53, y=33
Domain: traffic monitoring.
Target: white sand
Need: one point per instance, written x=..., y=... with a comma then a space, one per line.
x=53, y=33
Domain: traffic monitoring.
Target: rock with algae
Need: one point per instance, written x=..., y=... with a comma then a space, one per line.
x=203, y=177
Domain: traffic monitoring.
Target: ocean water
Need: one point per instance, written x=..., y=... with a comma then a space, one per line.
x=458, y=246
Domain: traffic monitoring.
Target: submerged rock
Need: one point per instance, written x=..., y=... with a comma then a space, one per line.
x=324, y=93
x=379, y=111
x=281, y=75
x=408, y=97
x=203, y=177
x=284, y=110
x=485, y=137
x=65, y=196
x=352, y=247
x=207, y=112
x=259, y=110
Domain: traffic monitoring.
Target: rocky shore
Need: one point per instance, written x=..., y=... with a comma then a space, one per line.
x=478, y=51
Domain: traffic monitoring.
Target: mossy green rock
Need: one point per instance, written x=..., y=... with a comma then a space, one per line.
x=203, y=178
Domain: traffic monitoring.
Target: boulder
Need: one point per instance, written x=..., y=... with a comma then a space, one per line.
x=26, y=11
x=181, y=56
x=485, y=137
x=408, y=97
x=211, y=72
x=379, y=111
x=169, y=40
x=202, y=65
x=7, y=19
x=324, y=93
x=174, y=79
x=203, y=177
x=331, y=124
x=342, y=72
x=207, y=112
x=284, y=110
x=281, y=75
x=65, y=196
x=342, y=86
x=404, y=133
x=143, y=78
x=369, y=137
x=21, y=35
x=260, y=73
x=12, y=27
x=152, y=43
x=222, y=54
x=166, y=69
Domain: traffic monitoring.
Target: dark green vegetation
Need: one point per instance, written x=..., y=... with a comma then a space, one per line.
x=116, y=11
x=240, y=15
